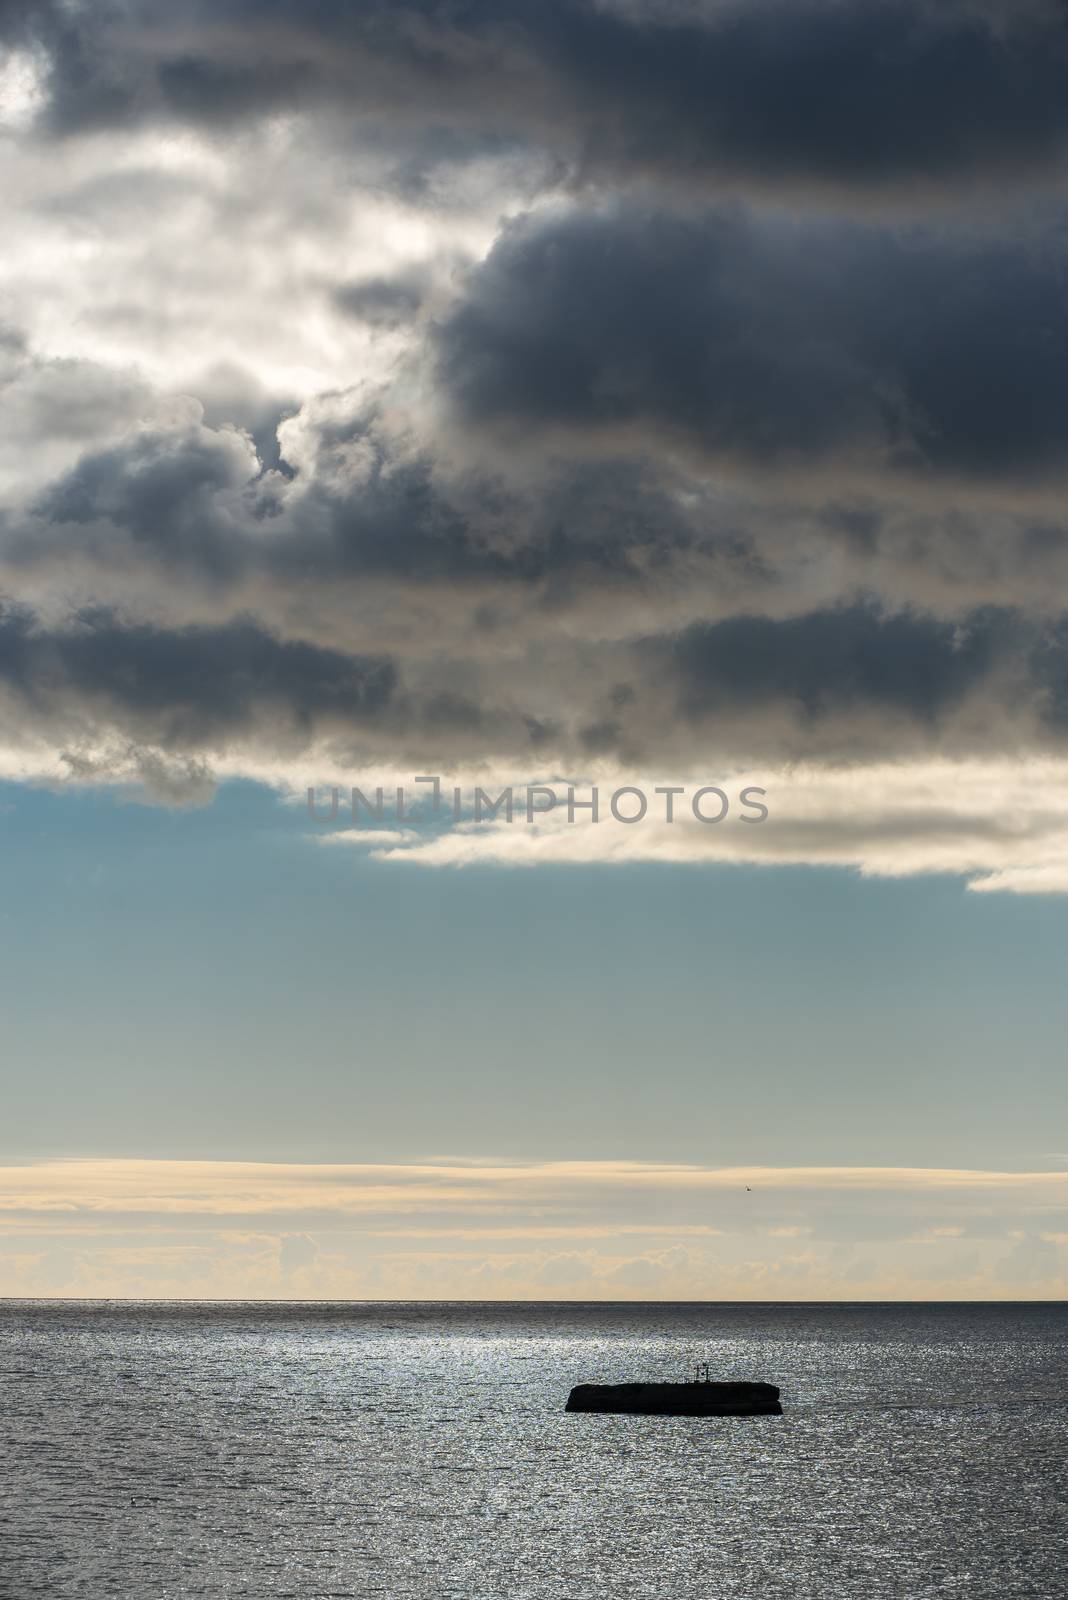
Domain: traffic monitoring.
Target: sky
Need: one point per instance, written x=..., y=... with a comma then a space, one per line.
x=663, y=401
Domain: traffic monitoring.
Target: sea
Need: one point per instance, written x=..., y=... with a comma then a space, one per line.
x=152, y=1450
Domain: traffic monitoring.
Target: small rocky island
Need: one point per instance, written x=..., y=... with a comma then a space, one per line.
x=701, y=1399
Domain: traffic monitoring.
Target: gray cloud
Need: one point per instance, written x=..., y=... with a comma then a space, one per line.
x=345, y=434
x=843, y=657
x=844, y=684
x=189, y=689
x=773, y=343
x=581, y=608
x=861, y=94
x=162, y=489
x=383, y=302
x=197, y=497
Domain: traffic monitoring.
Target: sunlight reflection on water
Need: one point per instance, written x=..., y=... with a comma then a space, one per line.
x=423, y=1450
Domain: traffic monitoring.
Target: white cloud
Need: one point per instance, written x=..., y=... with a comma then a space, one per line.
x=22, y=88
x=1002, y=825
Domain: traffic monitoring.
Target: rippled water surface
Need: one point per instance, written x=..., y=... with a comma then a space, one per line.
x=316, y=1450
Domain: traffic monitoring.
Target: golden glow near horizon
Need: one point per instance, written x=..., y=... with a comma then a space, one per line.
x=496, y=1230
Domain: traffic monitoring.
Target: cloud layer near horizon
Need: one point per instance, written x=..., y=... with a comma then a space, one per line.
x=564, y=1230
x=544, y=390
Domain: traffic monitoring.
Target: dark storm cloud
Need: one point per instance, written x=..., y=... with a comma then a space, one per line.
x=584, y=608
x=843, y=92
x=849, y=682
x=160, y=489
x=1049, y=663
x=644, y=476
x=190, y=688
x=773, y=342
x=576, y=526
x=849, y=656
x=196, y=499
x=470, y=557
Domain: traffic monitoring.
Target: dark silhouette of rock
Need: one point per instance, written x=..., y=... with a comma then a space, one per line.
x=678, y=1399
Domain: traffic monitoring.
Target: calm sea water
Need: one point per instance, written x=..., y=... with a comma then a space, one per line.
x=151, y=1450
